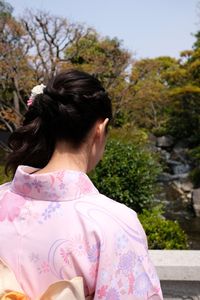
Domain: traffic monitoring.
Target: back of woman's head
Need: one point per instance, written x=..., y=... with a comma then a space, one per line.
x=67, y=110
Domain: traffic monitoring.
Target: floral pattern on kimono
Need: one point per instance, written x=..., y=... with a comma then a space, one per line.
x=61, y=227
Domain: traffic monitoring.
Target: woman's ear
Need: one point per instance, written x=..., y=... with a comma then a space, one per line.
x=101, y=128
x=97, y=143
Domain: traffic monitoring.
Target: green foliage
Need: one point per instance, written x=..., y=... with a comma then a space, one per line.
x=194, y=154
x=120, y=119
x=162, y=233
x=5, y=8
x=197, y=42
x=108, y=61
x=126, y=174
x=184, y=121
x=103, y=57
x=159, y=131
x=3, y=177
x=184, y=111
x=149, y=91
x=129, y=133
x=195, y=177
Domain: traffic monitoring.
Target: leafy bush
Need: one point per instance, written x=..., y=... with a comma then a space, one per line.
x=120, y=119
x=159, y=131
x=194, y=155
x=195, y=177
x=3, y=177
x=184, y=114
x=127, y=174
x=162, y=233
x=129, y=133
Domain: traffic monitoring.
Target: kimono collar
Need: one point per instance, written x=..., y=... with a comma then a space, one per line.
x=55, y=186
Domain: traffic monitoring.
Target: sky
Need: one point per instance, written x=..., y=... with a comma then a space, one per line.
x=148, y=28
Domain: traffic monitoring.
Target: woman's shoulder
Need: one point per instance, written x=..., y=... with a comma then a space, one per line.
x=116, y=216
x=5, y=187
x=115, y=207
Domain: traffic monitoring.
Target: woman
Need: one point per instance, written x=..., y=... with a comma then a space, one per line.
x=54, y=224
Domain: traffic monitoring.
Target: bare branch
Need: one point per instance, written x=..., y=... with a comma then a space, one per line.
x=49, y=37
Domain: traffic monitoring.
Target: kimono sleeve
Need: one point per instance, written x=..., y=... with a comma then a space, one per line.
x=125, y=270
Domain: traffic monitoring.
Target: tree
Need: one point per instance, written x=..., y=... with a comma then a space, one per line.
x=32, y=50
x=5, y=8
x=184, y=121
x=107, y=60
x=148, y=89
x=48, y=38
x=15, y=72
x=39, y=45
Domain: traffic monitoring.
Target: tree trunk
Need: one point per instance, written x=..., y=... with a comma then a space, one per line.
x=16, y=107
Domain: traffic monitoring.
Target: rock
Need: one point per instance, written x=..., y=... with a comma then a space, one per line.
x=181, y=156
x=183, y=189
x=182, y=176
x=165, y=141
x=177, y=186
x=180, y=146
x=189, y=196
x=173, y=162
x=184, y=198
x=152, y=138
x=181, y=168
x=196, y=201
x=180, y=152
x=165, y=155
x=153, y=148
x=187, y=186
x=165, y=177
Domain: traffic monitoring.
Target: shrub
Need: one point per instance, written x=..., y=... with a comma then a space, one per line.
x=120, y=119
x=129, y=133
x=194, y=155
x=3, y=177
x=126, y=174
x=184, y=118
x=162, y=233
x=195, y=177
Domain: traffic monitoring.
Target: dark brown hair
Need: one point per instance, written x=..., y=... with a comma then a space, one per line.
x=67, y=110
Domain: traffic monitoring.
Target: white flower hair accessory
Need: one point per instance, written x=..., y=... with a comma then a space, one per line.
x=38, y=89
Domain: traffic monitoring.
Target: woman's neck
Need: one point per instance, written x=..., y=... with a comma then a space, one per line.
x=66, y=157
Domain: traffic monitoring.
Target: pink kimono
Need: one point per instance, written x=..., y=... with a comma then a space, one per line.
x=56, y=226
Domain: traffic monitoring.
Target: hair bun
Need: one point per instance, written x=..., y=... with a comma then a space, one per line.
x=67, y=109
